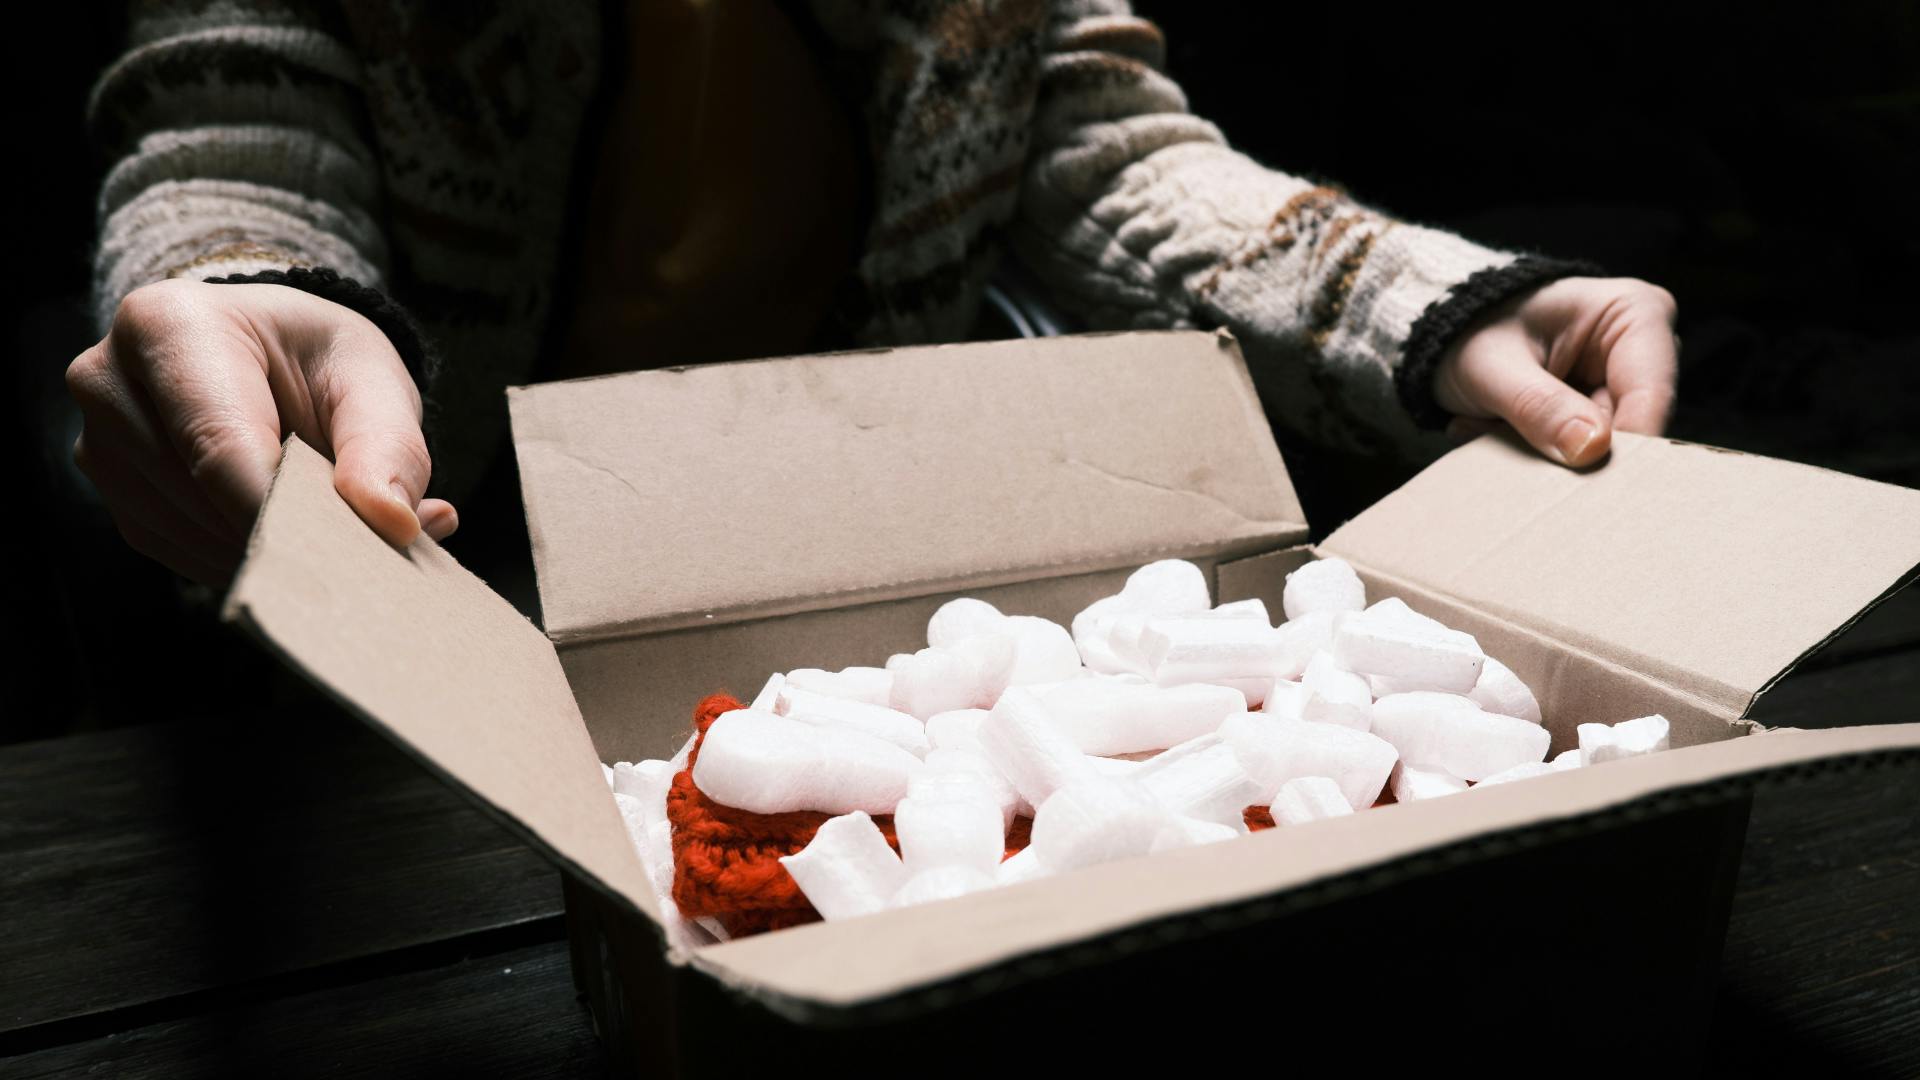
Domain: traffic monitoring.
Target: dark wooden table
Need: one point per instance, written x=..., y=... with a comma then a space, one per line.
x=299, y=899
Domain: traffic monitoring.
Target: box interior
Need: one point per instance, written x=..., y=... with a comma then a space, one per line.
x=1673, y=578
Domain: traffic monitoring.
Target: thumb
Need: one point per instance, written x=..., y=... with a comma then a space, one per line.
x=380, y=458
x=1557, y=420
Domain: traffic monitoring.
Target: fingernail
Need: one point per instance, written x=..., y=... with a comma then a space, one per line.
x=443, y=525
x=401, y=494
x=1576, y=438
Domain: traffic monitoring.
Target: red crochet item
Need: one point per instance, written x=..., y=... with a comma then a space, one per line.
x=726, y=862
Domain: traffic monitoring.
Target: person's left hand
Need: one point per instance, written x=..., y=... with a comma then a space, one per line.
x=1566, y=364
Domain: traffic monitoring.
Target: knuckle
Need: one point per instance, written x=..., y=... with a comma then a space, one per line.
x=1535, y=403
x=209, y=444
x=85, y=373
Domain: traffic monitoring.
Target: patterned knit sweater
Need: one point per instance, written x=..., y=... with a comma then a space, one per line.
x=430, y=152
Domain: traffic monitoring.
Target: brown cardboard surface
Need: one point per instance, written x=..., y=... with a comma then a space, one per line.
x=637, y=693
x=1711, y=570
x=663, y=499
x=432, y=657
x=847, y=962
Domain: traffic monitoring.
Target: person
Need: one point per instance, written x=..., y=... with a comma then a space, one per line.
x=359, y=223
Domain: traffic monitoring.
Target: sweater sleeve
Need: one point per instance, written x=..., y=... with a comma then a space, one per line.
x=1138, y=214
x=237, y=139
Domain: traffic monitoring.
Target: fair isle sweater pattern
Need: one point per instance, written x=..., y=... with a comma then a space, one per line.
x=428, y=153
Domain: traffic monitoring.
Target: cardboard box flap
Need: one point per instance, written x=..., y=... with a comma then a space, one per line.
x=1711, y=570
x=953, y=950
x=686, y=496
x=430, y=656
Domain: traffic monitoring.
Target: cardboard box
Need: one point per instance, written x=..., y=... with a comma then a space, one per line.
x=696, y=529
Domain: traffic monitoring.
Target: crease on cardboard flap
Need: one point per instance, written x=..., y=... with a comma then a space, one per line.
x=1716, y=572
x=780, y=486
x=428, y=655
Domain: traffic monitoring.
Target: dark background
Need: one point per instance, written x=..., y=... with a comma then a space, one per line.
x=1762, y=165
x=1761, y=162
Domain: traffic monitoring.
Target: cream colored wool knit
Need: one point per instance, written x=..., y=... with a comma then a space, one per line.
x=432, y=154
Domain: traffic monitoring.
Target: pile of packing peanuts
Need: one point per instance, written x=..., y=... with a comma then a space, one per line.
x=1010, y=748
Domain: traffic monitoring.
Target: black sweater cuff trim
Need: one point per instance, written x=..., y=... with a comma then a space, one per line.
x=379, y=309
x=1443, y=321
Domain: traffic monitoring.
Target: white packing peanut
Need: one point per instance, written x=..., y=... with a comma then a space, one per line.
x=879, y=721
x=847, y=869
x=1092, y=629
x=952, y=829
x=1499, y=690
x=1628, y=738
x=959, y=619
x=869, y=684
x=1251, y=608
x=1305, y=799
x=1323, y=585
x=1395, y=608
x=1274, y=751
x=1412, y=785
x=1094, y=819
x=970, y=674
x=1447, y=733
x=769, y=764
x=1167, y=587
x=1287, y=700
x=965, y=774
x=1105, y=715
x=1043, y=651
x=1335, y=696
x=1207, y=783
x=1300, y=640
x=941, y=883
x=1188, y=650
x=956, y=729
x=1026, y=746
x=1192, y=832
x=1024, y=865
x=1408, y=654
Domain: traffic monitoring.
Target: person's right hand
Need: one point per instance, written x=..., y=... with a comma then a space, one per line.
x=188, y=398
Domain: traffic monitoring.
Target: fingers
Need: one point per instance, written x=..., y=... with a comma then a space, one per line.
x=1642, y=369
x=152, y=524
x=438, y=518
x=1503, y=377
x=124, y=449
x=371, y=412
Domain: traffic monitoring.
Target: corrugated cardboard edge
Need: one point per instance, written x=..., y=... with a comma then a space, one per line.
x=1404, y=842
x=1905, y=581
x=235, y=610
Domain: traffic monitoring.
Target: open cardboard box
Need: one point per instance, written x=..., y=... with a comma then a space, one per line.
x=696, y=529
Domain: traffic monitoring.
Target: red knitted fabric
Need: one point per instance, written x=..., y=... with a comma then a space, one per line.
x=726, y=862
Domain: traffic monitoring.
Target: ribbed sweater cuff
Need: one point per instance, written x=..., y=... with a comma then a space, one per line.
x=1441, y=324
x=379, y=309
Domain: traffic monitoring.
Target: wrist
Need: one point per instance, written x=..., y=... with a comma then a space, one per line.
x=385, y=313
x=1466, y=307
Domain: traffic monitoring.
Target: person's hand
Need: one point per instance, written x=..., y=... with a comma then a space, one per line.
x=1566, y=364
x=187, y=399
